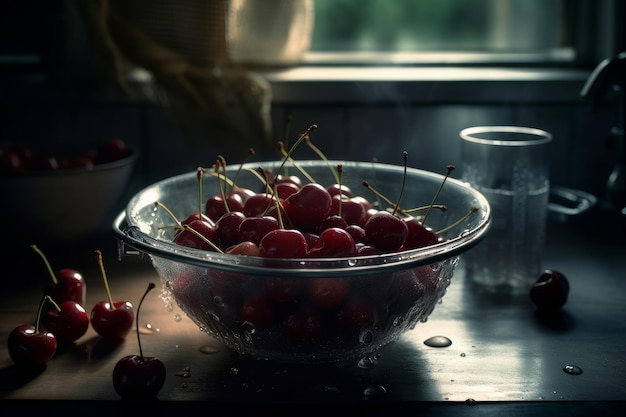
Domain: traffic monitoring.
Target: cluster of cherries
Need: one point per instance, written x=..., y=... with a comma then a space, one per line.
x=62, y=320
x=22, y=158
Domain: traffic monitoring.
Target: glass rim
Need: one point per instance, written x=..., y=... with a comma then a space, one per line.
x=535, y=136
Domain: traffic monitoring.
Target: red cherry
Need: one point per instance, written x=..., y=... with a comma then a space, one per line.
x=111, y=150
x=285, y=189
x=332, y=221
x=254, y=228
x=327, y=293
x=334, y=242
x=283, y=243
x=336, y=190
x=352, y=211
x=550, y=291
x=418, y=235
x=216, y=208
x=356, y=314
x=68, y=321
x=303, y=324
x=258, y=204
x=357, y=233
x=386, y=231
x=190, y=238
x=65, y=285
x=111, y=320
x=138, y=377
x=258, y=310
x=29, y=345
x=245, y=248
x=309, y=206
x=228, y=227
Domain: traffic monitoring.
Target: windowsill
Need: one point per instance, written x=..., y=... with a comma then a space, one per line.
x=424, y=84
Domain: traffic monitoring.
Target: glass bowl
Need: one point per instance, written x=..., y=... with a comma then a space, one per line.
x=309, y=310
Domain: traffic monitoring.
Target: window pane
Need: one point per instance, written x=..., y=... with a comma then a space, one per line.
x=518, y=26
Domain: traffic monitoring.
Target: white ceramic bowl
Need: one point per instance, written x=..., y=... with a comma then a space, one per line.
x=64, y=204
x=386, y=294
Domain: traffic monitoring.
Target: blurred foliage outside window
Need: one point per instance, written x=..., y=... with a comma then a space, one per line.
x=486, y=26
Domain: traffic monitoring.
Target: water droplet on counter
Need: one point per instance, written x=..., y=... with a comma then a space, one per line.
x=177, y=317
x=462, y=355
x=374, y=391
x=438, y=341
x=470, y=401
x=208, y=349
x=572, y=370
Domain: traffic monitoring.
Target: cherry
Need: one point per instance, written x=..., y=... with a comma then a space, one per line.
x=357, y=233
x=111, y=150
x=216, y=206
x=245, y=248
x=228, y=227
x=138, y=376
x=258, y=310
x=351, y=210
x=66, y=284
x=254, y=228
x=338, y=190
x=111, y=320
x=285, y=189
x=309, y=206
x=68, y=321
x=31, y=346
x=198, y=234
x=386, y=231
x=418, y=235
x=303, y=324
x=327, y=293
x=283, y=243
x=258, y=204
x=334, y=242
x=550, y=291
x=332, y=221
x=356, y=313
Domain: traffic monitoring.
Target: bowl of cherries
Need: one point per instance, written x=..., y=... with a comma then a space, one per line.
x=311, y=261
x=54, y=194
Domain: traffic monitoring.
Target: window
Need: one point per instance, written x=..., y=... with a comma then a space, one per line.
x=464, y=31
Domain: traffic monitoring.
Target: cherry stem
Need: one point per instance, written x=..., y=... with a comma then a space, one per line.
x=287, y=133
x=104, y=277
x=201, y=236
x=339, y=180
x=323, y=157
x=221, y=163
x=45, y=261
x=293, y=148
x=471, y=211
x=379, y=195
x=251, y=153
x=150, y=287
x=56, y=306
x=169, y=212
x=199, y=173
x=449, y=168
x=405, y=155
x=287, y=157
x=40, y=310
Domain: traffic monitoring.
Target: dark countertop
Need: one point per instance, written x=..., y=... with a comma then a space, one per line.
x=505, y=358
